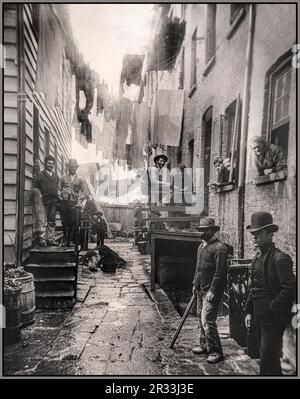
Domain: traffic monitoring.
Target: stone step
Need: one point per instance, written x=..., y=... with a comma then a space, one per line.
x=59, y=284
x=51, y=270
x=52, y=254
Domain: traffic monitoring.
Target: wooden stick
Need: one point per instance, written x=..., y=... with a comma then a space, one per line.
x=183, y=320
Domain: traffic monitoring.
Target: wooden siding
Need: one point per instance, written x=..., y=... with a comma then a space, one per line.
x=10, y=133
x=57, y=121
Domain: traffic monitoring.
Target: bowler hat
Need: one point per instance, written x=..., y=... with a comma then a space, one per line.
x=164, y=157
x=261, y=220
x=207, y=223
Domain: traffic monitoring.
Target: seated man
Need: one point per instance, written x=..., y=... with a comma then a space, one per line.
x=267, y=156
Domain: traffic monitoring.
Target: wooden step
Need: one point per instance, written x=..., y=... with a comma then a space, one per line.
x=52, y=254
x=55, y=294
x=55, y=299
x=60, y=284
x=51, y=270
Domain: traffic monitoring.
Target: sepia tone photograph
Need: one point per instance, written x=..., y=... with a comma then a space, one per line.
x=149, y=191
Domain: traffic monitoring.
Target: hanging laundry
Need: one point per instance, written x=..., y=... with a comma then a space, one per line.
x=141, y=125
x=169, y=109
x=123, y=120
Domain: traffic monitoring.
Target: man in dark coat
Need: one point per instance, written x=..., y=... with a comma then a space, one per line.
x=47, y=183
x=209, y=284
x=73, y=192
x=272, y=292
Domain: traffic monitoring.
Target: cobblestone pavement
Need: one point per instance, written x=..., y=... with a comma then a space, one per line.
x=118, y=327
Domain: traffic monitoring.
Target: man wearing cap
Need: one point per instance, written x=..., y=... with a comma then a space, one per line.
x=267, y=156
x=159, y=186
x=209, y=284
x=271, y=294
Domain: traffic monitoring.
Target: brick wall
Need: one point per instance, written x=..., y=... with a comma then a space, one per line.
x=272, y=40
x=218, y=88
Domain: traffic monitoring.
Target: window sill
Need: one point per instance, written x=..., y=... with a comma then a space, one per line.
x=209, y=65
x=236, y=22
x=228, y=187
x=272, y=177
x=193, y=89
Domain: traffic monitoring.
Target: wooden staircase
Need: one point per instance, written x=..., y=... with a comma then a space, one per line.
x=55, y=276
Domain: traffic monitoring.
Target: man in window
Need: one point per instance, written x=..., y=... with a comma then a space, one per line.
x=222, y=174
x=272, y=291
x=159, y=180
x=268, y=158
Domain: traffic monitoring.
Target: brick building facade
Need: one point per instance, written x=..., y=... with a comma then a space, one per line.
x=212, y=67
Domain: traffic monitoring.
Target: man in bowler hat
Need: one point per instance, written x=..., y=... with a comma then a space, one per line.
x=209, y=284
x=271, y=294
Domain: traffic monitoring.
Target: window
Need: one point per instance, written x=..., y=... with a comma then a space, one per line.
x=235, y=10
x=231, y=125
x=194, y=60
x=35, y=19
x=237, y=14
x=47, y=143
x=55, y=157
x=228, y=129
x=179, y=157
x=277, y=114
x=181, y=77
x=280, y=98
x=191, y=159
x=62, y=165
x=36, y=133
x=211, y=32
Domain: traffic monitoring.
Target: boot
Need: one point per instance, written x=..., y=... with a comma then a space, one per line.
x=64, y=242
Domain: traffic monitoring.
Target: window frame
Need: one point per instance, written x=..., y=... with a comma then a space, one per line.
x=235, y=22
x=232, y=18
x=283, y=66
x=236, y=104
x=210, y=33
x=193, y=83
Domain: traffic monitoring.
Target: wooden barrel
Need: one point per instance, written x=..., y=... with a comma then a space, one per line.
x=27, y=299
x=13, y=323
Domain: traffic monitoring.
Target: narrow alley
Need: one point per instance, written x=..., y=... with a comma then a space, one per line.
x=118, y=327
x=149, y=173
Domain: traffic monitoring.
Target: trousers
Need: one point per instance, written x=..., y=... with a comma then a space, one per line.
x=269, y=333
x=207, y=313
x=45, y=216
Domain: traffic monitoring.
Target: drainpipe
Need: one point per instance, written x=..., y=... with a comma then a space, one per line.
x=21, y=137
x=244, y=132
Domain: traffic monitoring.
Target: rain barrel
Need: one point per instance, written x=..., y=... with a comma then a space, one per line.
x=27, y=299
x=13, y=323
